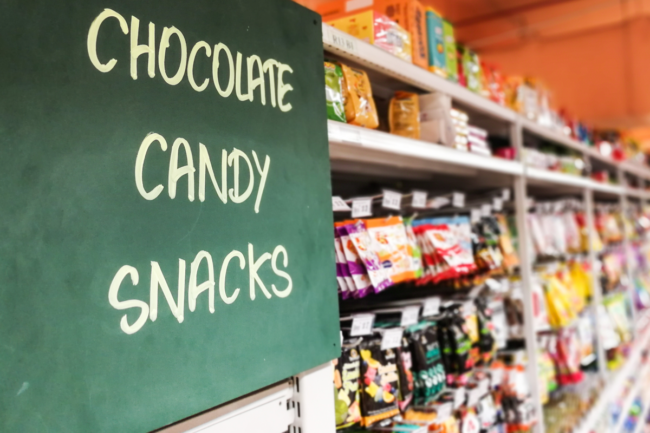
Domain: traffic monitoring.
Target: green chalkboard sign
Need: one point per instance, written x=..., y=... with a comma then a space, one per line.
x=165, y=209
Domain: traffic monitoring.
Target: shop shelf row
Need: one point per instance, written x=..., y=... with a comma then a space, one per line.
x=372, y=58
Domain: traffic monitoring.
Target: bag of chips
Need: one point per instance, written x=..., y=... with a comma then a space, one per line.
x=428, y=369
x=357, y=94
x=404, y=115
x=333, y=92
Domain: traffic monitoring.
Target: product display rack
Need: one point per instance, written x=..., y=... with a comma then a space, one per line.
x=355, y=148
x=304, y=404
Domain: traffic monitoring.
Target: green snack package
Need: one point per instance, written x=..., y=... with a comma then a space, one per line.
x=428, y=370
x=450, y=50
x=347, y=370
x=333, y=92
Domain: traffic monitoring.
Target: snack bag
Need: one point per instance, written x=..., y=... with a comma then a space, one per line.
x=343, y=276
x=414, y=250
x=428, y=368
x=347, y=370
x=389, y=241
x=404, y=368
x=361, y=285
x=357, y=95
x=333, y=92
x=436, y=43
x=379, y=378
x=404, y=115
x=450, y=50
x=361, y=241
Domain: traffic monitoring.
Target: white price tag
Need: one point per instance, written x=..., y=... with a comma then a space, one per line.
x=341, y=40
x=419, y=200
x=459, y=397
x=484, y=386
x=410, y=316
x=475, y=215
x=486, y=210
x=444, y=410
x=497, y=203
x=473, y=396
x=497, y=376
x=458, y=199
x=493, y=284
x=392, y=200
x=362, y=325
x=361, y=207
x=439, y=202
x=339, y=205
x=431, y=307
x=505, y=194
x=392, y=338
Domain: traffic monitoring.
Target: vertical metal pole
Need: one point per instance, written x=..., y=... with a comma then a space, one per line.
x=627, y=249
x=526, y=270
x=597, y=297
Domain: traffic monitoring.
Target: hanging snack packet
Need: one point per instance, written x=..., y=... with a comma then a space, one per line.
x=362, y=243
x=361, y=282
x=487, y=342
x=333, y=92
x=344, y=290
x=389, y=241
x=457, y=261
x=404, y=368
x=414, y=250
x=347, y=370
x=459, y=343
x=357, y=94
x=428, y=369
x=404, y=115
x=379, y=378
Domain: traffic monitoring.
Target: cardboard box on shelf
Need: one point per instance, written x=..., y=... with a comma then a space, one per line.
x=408, y=14
x=376, y=29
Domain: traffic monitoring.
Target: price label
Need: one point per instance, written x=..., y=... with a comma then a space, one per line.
x=339, y=205
x=431, y=307
x=419, y=200
x=392, y=338
x=497, y=203
x=458, y=199
x=473, y=396
x=392, y=200
x=444, y=410
x=410, y=316
x=493, y=284
x=459, y=397
x=362, y=325
x=342, y=41
x=361, y=207
x=497, y=376
x=505, y=194
x=475, y=215
x=486, y=210
x=484, y=386
x=439, y=202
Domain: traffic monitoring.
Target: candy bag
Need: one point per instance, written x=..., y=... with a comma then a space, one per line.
x=333, y=92
x=347, y=370
x=390, y=242
x=357, y=94
x=404, y=368
x=404, y=115
x=379, y=378
x=428, y=369
x=361, y=241
x=361, y=282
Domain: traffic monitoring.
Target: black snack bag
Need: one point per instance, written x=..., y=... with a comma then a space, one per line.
x=428, y=369
x=379, y=378
x=404, y=367
x=486, y=340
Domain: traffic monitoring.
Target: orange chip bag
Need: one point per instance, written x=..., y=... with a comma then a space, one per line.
x=357, y=95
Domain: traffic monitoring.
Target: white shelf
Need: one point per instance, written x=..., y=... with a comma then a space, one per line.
x=373, y=58
x=354, y=143
x=554, y=177
x=369, y=56
x=615, y=386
